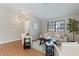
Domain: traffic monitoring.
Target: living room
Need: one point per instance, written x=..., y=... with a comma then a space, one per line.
x=37, y=20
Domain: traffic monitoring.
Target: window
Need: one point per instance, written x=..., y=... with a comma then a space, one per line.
x=56, y=26
x=51, y=26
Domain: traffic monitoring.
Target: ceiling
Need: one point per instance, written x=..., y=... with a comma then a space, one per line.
x=45, y=10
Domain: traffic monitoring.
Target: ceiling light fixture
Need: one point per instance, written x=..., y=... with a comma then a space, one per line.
x=22, y=16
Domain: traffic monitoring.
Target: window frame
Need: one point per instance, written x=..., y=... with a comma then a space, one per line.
x=55, y=25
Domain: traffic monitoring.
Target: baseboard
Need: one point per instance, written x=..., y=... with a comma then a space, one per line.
x=10, y=41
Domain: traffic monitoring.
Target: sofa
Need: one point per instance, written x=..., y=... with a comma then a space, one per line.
x=60, y=36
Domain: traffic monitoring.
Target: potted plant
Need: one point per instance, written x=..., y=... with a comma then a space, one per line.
x=73, y=28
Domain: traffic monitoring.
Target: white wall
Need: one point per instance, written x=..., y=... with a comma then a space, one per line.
x=10, y=26
x=35, y=32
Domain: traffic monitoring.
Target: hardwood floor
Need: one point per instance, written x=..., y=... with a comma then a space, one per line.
x=16, y=49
